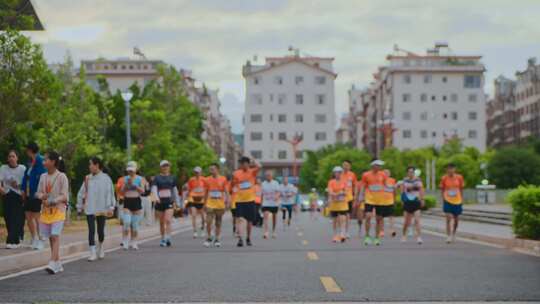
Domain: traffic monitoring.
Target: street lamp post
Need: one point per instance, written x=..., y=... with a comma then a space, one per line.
x=127, y=98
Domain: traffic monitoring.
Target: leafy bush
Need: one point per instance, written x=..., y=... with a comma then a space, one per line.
x=526, y=211
x=512, y=167
x=431, y=202
x=398, y=208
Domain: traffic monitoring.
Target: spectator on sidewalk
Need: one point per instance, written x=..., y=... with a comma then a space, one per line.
x=96, y=199
x=11, y=177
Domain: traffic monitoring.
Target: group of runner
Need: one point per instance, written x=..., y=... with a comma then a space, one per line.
x=373, y=196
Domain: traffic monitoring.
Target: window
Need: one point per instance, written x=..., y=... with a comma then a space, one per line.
x=271, y=97
x=282, y=118
x=454, y=115
x=299, y=99
x=406, y=115
x=299, y=80
x=255, y=118
x=257, y=154
x=320, y=80
x=473, y=115
x=272, y=135
x=282, y=98
x=407, y=78
x=472, y=97
x=423, y=98
x=444, y=98
x=433, y=134
x=320, y=98
x=257, y=80
x=278, y=80
x=407, y=134
x=320, y=136
x=271, y=117
x=282, y=154
x=255, y=136
x=445, y=79
x=320, y=118
x=445, y=116
x=424, y=116
x=472, y=81
x=433, y=98
x=406, y=97
x=473, y=134
x=454, y=97
x=282, y=136
x=257, y=99
x=299, y=118
x=423, y=134
x=427, y=78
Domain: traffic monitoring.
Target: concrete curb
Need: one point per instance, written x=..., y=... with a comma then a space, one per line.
x=33, y=258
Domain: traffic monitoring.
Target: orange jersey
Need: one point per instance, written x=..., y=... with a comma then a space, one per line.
x=339, y=188
x=389, y=191
x=215, y=189
x=119, y=186
x=373, y=183
x=258, y=194
x=196, y=189
x=452, y=187
x=245, y=181
x=350, y=179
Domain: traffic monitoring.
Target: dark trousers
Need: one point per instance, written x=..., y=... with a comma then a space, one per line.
x=91, y=220
x=14, y=217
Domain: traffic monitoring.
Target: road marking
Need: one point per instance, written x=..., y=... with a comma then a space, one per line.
x=312, y=256
x=330, y=285
x=304, y=242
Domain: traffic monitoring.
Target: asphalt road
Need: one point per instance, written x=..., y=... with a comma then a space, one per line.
x=289, y=269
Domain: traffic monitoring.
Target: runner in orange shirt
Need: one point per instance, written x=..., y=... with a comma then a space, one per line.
x=216, y=197
x=350, y=179
x=338, y=205
x=196, y=191
x=452, y=185
x=372, y=194
x=245, y=179
x=389, y=196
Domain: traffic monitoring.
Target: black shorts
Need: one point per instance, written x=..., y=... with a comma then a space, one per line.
x=233, y=212
x=197, y=206
x=272, y=210
x=32, y=205
x=132, y=204
x=164, y=204
x=350, y=207
x=412, y=207
x=247, y=210
x=338, y=213
x=384, y=211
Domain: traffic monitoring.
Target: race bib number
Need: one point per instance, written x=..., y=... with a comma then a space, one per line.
x=375, y=188
x=215, y=194
x=341, y=197
x=165, y=193
x=410, y=196
x=452, y=193
x=389, y=189
x=245, y=185
x=198, y=190
x=270, y=196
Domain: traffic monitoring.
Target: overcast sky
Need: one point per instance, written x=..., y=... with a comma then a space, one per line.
x=215, y=38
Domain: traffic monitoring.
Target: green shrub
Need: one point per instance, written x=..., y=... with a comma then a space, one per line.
x=398, y=208
x=526, y=211
x=431, y=202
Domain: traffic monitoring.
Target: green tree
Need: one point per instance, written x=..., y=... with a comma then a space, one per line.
x=359, y=158
x=511, y=167
x=12, y=18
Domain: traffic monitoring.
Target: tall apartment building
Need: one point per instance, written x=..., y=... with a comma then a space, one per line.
x=288, y=97
x=513, y=114
x=425, y=100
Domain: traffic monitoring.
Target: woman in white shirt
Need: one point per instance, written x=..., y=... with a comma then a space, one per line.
x=270, y=202
x=11, y=176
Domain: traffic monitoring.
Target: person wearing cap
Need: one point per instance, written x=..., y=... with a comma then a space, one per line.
x=412, y=197
x=372, y=195
x=338, y=205
x=270, y=202
x=164, y=189
x=245, y=179
x=216, y=196
x=133, y=187
x=288, y=194
x=313, y=203
x=196, y=191
x=350, y=179
x=452, y=185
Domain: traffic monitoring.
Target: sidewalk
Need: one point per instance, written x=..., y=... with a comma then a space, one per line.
x=489, y=233
x=72, y=243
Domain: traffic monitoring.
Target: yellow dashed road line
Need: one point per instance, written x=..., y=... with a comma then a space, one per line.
x=330, y=285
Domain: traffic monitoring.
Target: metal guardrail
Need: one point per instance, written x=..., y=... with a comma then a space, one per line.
x=496, y=196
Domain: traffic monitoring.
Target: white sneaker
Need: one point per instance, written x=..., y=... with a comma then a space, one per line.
x=51, y=267
x=207, y=243
x=404, y=239
x=34, y=244
x=58, y=267
x=100, y=251
x=15, y=246
x=449, y=239
x=419, y=240
x=125, y=244
x=9, y=246
x=195, y=234
x=39, y=245
x=93, y=255
x=134, y=245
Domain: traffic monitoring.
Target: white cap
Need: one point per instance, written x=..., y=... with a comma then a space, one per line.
x=197, y=169
x=131, y=166
x=337, y=169
x=164, y=163
x=377, y=162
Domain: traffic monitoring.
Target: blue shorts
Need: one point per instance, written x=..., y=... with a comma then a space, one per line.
x=287, y=207
x=452, y=208
x=53, y=229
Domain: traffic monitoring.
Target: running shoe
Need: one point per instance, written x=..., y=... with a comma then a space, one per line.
x=449, y=239
x=394, y=233
x=248, y=242
x=240, y=243
x=51, y=267
x=419, y=240
x=168, y=243
x=207, y=243
x=343, y=239
x=134, y=246
x=195, y=234
x=39, y=245
x=162, y=243
x=368, y=241
x=125, y=245
x=101, y=251
x=377, y=242
x=336, y=239
x=59, y=267
x=217, y=243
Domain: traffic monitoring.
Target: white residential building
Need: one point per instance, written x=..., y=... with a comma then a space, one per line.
x=286, y=97
x=426, y=100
